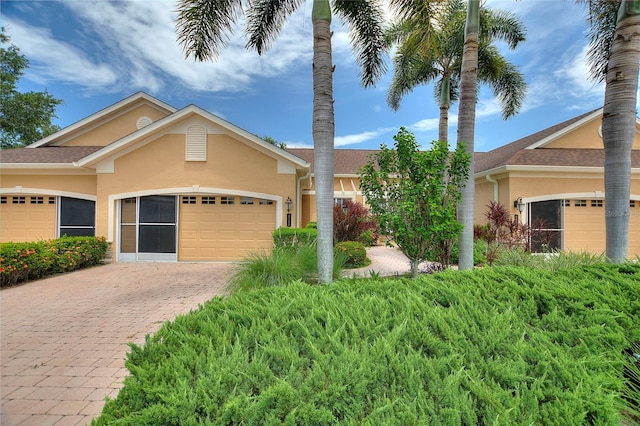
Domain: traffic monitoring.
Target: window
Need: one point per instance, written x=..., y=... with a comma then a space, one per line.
x=566, y=203
x=340, y=201
x=3, y=200
x=17, y=200
x=545, y=218
x=596, y=203
x=208, y=200
x=580, y=203
x=77, y=217
x=246, y=200
x=37, y=200
x=188, y=199
x=632, y=203
x=266, y=202
x=227, y=200
x=52, y=200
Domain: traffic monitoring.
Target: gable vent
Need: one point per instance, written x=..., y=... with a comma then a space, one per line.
x=143, y=122
x=196, y=144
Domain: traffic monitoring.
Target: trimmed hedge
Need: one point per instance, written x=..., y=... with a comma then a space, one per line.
x=294, y=237
x=26, y=261
x=494, y=346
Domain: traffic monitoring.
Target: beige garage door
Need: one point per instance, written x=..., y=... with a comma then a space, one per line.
x=634, y=229
x=224, y=227
x=584, y=226
x=27, y=218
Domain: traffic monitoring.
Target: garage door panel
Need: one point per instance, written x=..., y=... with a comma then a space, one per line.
x=27, y=222
x=585, y=229
x=224, y=232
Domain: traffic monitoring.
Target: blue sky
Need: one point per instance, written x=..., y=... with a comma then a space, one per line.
x=91, y=54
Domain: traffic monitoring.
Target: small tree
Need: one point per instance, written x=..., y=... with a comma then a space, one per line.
x=351, y=220
x=413, y=194
x=24, y=117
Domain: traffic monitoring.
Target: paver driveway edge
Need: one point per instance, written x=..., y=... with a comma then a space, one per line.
x=63, y=340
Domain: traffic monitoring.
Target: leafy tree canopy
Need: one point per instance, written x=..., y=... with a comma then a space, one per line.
x=272, y=141
x=24, y=117
x=414, y=194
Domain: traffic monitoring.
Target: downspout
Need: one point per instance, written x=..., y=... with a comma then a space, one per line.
x=299, y=197
x=495, y=187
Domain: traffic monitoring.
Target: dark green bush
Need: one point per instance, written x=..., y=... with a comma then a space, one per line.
x=355, y=254
x=493, y=346
x=369, y=238
x=479, y=252
x=295, y=237
x=25, y=261
x=312, y=225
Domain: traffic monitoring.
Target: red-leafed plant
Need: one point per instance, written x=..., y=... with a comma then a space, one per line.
x=351, y=221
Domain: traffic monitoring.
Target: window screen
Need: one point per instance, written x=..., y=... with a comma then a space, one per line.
x=158, y=209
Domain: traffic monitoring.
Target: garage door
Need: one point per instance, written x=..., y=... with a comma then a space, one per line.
x=27, y=218
x=584, y=226
x=224, y=227
x=634, y=229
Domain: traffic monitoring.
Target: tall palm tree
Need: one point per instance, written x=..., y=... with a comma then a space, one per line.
x=614, y=55
x=466, y=129
x=421, y=59
x=204, y=25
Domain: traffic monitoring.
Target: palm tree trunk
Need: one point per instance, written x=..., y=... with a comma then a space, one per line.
x=445, y=101
x=618, y=127
x=466, y=129
x=323, y=129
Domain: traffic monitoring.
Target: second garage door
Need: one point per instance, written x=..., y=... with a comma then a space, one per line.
x=224, y=227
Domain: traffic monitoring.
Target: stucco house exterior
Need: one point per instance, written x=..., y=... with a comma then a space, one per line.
x=163, y=184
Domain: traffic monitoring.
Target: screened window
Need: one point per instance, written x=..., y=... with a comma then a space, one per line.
x=158, y=209
x=77, y=217
x=546, y=226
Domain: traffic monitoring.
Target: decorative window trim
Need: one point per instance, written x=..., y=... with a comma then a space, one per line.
x=188, y=199
x=196, y=143
x=208, y=200
x=52, y=200
x=246, y=200
x=18, y=200
x=597, y=203
x=3, y=199
x=632, y=203
x=264, y=202
x=580, y=203
x=36, y=200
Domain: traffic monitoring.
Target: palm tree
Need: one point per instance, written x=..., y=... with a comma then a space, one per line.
x=614, y=55
x=204, y=25
x=466, y=129
x=427, y=54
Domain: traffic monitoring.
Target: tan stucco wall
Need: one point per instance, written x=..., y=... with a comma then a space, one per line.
x=586, y=136
x=115, y=128
x=84, y=184
x=231, y=165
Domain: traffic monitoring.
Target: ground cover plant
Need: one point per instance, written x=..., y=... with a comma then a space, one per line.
x=493, y=346
x=20, y=262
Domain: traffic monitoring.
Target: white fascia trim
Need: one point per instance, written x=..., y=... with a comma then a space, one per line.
x=566, y=130
x=541, y=169
x=186, y=190
x=108, y=110
x=571, y=195
x=157, y=126
x=44, y=191
x=38, y=166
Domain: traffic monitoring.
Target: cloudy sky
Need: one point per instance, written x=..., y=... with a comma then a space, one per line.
x=91, y=54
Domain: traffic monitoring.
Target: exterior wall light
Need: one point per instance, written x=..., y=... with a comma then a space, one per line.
x=518, y=204
x=288, y=203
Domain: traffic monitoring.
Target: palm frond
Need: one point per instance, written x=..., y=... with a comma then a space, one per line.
x=365, y=19
x=204, y=26
x=502, y=25
x=265, y=19
x=506, y=81
x=601, y=18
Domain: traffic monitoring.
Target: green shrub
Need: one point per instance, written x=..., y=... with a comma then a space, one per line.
x=549, y=261
x=312, y=225
x=280, y=267
x=492, y=346
x=295, y=237
x=369, y=238
x=479, y=252
x=354, y=252
x=25, y=261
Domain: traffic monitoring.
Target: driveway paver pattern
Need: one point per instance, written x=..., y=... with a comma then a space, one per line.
x=63, y=340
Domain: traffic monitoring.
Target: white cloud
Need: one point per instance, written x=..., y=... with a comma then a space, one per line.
x=51, y=60
x=359, y=137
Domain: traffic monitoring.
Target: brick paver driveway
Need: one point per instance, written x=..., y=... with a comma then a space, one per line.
x=63, y=340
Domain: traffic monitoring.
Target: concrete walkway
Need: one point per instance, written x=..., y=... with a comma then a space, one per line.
x=63, y=340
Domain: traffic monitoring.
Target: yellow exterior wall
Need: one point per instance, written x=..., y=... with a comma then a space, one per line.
x=116, y=128
x=587, y=136
x=83, y=184
x=342, y=188
x=231, y=165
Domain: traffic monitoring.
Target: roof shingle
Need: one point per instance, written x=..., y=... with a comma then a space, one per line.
x=53, y=155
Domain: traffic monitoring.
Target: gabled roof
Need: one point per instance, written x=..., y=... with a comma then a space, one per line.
x=512, y=153
x=89, y=156
x=93, y=118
